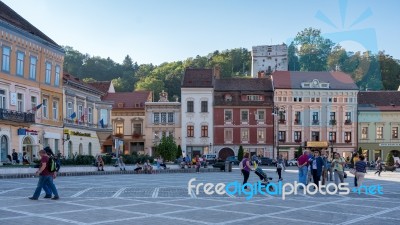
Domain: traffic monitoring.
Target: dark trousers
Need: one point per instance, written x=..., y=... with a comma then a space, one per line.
x=279, y=170
x=355, y=181
x=316, y=178
x=379, y=171
x=246, y=175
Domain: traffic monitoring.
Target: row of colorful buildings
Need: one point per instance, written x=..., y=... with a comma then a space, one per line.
x=268, y=115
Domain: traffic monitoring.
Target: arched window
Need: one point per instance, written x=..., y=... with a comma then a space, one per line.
x=3, y=148
x=80, y=149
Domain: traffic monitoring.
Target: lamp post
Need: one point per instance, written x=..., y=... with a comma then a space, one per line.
x=210, y=149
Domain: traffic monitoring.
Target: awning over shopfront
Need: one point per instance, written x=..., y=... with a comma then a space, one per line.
x=316, y=144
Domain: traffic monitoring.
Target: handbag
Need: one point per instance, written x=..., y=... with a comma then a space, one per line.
x=353, y=171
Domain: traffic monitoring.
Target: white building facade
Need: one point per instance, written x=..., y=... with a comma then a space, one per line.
x=197, y=112
x=268, y=58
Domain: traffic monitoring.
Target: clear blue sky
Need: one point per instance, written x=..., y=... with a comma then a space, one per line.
x=156, y=31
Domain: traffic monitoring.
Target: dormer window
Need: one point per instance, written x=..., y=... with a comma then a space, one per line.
x=228, y=98
x=254, y=98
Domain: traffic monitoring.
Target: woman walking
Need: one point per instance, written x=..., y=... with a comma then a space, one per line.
x=355, y=160
x=378, y=164
x=338, y=164
x=246, y=167
x=361, y=170
x=280, y=165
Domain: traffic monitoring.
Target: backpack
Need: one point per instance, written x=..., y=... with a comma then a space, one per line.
x=52, y=165
x=241, y=165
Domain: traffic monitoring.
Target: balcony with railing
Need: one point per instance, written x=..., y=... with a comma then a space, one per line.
x=347, y=141
x=297, y=140
x=86, y=125
x=16, y=116
x=332, y=122
x=347, y=122
x=137, y=135
x=315, y=122
x=282, y=121
x=297, y=122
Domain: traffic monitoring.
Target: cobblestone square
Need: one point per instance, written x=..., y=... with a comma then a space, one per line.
x=164, y=199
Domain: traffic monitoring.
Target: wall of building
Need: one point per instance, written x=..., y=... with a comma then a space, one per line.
x=269, y=58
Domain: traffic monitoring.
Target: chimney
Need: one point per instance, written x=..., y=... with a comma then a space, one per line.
x=217, y=72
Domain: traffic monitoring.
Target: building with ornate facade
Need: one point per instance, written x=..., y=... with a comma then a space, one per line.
x=268, y=58
x=197, y=92
x=127, y=121
x=86, y=117
x=162, y=118
x=243, y=116
x=316, y=110
x=378, y=123
x=30, y=87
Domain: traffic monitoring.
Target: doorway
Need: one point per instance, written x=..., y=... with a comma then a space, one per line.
x=3, y=148
x=27, y=150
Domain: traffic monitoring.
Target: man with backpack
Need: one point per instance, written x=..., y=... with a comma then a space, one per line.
x=46, y=174
x=53, y=167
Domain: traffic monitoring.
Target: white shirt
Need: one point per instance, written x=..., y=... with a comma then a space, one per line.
x=314, y=164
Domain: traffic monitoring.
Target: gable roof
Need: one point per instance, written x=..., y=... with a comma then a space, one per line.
x=293, y=79
x=129, y=100
x=200, y=78
x=102, y=86
x=69, y=79
x=10, y=17
x=243, y=84
x=379, y=100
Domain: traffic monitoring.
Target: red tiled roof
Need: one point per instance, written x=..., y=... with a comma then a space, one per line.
x=102, y=86
x=201, y=78
x=69, y=78
x=14, y=19
x=243, y=84
x=293, y=79
x=379, y=100
x=129, y=100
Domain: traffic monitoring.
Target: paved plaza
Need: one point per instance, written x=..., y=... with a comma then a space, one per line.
x=164, y=199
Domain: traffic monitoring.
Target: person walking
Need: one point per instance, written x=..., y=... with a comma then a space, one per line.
x=198, y=164
x=121, y=163
x=355, y=160
x=45, y=177
x=246, y=167
x=338, y=164
x=280, y=165
x=379, y=168
x=317, y=166
x=361, y=170
x=302, y=164
x=329, y=172
x=46, y=186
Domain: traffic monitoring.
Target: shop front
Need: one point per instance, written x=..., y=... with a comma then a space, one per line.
x=82, y=142
x=375, y=150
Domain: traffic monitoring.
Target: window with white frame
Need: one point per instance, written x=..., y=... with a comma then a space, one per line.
x=297, y=136
x=282, y=136
x=45, y=105
x=20, y=63
x=163, y=117
x=32, y=68
x=332, y=136
x=364, y=133
x=190, y=106
x=6, y=59
x=260, y=134
x=204, y=106
x=204, y=131
x=33, y=102
x=228, y=135
x=119, y=128
x=57, y=76
x=70, y=109
x=260, y=115
x=379, y=133
x=244, y=134
x=170, y=117
x=104, y=116
x=48, y=73
x=244, y=115
x=156, y=118
x=137, y=128
x=395, y=132
x=20, y=102
x=55, y=110
x=80, y=112
x=90, y=115
x=228, y=115
x=347, y=137
x=3, y=99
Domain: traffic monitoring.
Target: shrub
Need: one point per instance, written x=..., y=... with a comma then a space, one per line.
x=84, y=160
x=240, y=153
x=107, y=159
x=389, y=159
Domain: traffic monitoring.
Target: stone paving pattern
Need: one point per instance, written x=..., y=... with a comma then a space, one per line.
x=163, y=199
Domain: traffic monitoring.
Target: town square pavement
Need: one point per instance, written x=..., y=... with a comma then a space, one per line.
x=164, y=199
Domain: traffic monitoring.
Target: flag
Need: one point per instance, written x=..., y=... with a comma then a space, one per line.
x=102, y=123
x=73, y=115
x=37, y=107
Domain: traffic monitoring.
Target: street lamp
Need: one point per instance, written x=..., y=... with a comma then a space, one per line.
x=277, y=111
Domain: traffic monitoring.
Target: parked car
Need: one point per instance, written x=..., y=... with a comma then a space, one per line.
x=266, y=161
x=219, y=164
x=233, y=159
x=292, y=162
x=211, y=158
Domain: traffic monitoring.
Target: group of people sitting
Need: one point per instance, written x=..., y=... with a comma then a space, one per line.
x=197, y=162
x=147, y=167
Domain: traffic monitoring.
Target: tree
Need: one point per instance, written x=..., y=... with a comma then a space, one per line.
x=150, y=84
x=337, y=59
x=293, y=59
x=179, y=152
x=88, y=80
x=299, y=152
x=313, y=50
x=240, y=153
x=167, y=148
x=389, y=159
